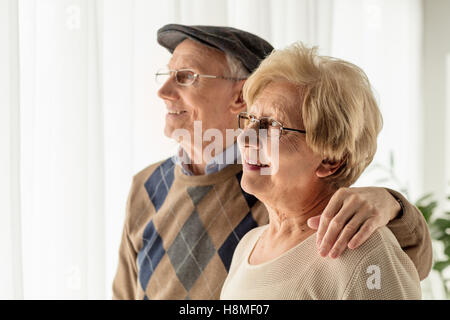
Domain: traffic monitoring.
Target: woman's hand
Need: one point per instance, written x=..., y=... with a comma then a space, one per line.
x=350, y=218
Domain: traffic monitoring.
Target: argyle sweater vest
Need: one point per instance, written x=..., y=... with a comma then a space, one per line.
x=181, y=231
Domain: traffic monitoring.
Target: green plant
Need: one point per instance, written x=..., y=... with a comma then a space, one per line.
x=440, y=232
x=439, y=226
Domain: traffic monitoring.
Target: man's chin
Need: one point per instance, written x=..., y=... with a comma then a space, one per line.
x=177, y=134
x=168, y=132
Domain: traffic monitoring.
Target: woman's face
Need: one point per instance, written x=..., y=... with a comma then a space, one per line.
x=297, y=164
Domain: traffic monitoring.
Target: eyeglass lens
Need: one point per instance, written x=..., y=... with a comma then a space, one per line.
x=247, y=121
x=183, y=77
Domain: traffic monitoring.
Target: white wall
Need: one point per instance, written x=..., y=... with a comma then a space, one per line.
x=384, y=38
x=436, y=170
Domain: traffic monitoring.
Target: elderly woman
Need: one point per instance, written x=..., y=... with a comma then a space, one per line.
x=322, y=114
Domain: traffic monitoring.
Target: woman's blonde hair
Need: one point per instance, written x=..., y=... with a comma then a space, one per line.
x=339, y=110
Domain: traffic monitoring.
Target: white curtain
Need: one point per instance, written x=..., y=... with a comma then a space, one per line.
x=10, y=220
x=385, y=39
x=62, y=150
x=90, y=118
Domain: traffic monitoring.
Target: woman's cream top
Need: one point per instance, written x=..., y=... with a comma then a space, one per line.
x=378, y=269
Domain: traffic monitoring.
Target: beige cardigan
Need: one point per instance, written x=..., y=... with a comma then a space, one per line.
x=378, y=269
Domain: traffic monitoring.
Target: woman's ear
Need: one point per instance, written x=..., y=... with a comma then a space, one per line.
x=328, y=167
x=238, y=104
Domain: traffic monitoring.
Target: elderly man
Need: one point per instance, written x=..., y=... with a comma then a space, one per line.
x=185, y=217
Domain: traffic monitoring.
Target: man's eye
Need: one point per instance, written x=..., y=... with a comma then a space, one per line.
x=184, y=76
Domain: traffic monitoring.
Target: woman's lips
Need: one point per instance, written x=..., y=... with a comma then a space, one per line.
x=253, y=167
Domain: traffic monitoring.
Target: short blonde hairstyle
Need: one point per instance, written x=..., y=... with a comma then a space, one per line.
x=339, y=110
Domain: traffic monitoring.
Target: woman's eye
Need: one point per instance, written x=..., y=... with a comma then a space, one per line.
x=274, y=124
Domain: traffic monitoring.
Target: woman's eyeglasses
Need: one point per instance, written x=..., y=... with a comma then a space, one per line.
x=247, y=120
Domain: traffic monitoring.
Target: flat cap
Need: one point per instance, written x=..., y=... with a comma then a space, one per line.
x=246, y=47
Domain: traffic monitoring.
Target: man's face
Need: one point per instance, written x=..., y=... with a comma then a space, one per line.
x=207, y=100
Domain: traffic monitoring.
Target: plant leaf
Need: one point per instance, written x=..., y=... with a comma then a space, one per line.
x=447, y=251
x=426, y=196
x=442, y=224
x=391, y=159
x=441, y=265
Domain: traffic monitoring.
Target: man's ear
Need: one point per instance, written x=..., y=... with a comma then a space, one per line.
x=328, y=167
x=238, y=104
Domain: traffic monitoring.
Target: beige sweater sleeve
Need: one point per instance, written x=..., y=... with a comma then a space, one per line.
x=125, y=281
x=384, y=275
x=411, y=231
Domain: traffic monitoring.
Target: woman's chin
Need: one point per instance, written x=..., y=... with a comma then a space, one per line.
x=253, y=184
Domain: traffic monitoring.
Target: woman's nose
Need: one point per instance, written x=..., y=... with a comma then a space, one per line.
x=248, y=138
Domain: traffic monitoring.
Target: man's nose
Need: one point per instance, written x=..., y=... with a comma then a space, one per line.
x=169, y=90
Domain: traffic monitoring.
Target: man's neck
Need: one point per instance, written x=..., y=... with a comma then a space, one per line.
x=197, y=169
x=198, y=163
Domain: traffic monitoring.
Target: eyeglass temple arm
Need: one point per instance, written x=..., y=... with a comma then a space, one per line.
x=288, y=129
x=296, y=130
x=220, y=77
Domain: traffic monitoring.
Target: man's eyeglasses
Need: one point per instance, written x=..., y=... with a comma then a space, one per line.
x=247, y=120
x=186, y=77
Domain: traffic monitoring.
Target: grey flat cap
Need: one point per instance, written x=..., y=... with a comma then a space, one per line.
x=246, y=47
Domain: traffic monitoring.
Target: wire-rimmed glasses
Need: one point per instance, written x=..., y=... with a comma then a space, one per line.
x=186, y=77
x=246, y=120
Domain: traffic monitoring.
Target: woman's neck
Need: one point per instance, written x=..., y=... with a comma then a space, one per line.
x=293, y=222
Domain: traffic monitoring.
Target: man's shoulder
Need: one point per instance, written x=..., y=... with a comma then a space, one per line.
x=142, y=176
x=143, y=195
